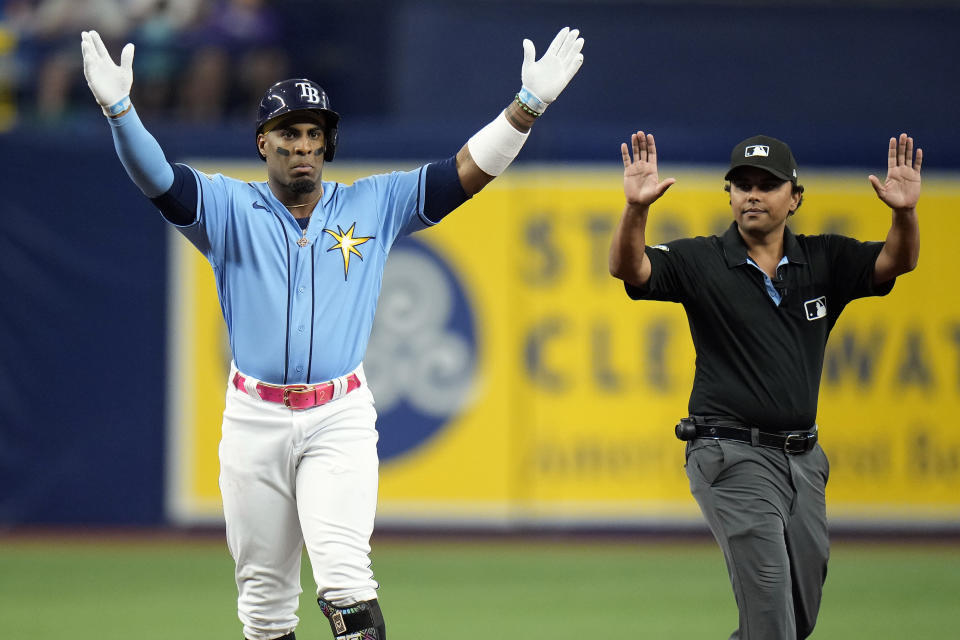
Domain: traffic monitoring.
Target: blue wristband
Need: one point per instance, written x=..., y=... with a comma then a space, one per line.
x=118, y=107
x=528, y=98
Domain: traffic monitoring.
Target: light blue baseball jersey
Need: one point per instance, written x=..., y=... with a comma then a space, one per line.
x=299, y=305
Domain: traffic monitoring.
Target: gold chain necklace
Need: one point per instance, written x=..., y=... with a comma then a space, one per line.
x=307, y=204
x=303, y=239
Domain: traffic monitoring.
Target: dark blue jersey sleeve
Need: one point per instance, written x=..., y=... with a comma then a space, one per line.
x=443, y=191
x=179, y=204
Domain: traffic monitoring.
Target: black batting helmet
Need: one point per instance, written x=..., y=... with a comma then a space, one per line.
x=298, y=94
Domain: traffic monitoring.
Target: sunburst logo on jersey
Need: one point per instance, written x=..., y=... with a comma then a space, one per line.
x=347, y=245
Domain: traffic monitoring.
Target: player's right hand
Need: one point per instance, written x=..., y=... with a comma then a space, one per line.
x=109, y=83
x=641, y=180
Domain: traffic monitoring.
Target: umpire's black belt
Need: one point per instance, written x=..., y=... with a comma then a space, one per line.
x=794, y=442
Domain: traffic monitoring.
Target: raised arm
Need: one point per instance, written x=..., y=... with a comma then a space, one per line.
x=110, y=84
x=642, y=187
x=900, y=192
x=488, y=153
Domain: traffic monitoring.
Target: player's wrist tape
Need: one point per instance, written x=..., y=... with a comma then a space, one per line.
x=117, y=107
x=495, y=146
x=530, y=103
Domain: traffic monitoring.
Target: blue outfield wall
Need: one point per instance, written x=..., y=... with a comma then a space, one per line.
x=83, y=264
x=83, y=256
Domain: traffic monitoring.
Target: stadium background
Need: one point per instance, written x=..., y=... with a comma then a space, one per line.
x=549, y=408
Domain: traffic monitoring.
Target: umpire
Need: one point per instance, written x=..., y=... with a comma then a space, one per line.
x=761, y=302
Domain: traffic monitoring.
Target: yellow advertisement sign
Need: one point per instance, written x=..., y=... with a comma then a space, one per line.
x=517, y=383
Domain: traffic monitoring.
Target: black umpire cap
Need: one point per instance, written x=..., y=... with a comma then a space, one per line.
x=764, y=152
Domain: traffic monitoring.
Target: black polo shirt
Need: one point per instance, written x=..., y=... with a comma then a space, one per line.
x=757, y=362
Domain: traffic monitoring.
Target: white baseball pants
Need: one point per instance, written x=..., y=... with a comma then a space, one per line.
x=290, y=478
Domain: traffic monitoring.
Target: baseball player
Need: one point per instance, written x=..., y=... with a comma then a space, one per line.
x=298, y=264
x=761, y=302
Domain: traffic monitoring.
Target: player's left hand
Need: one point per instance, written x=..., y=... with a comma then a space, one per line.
x=547, y=77
x=902, y=187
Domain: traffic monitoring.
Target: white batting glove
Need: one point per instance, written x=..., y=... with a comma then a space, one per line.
x=544, y=79
x=109, y=83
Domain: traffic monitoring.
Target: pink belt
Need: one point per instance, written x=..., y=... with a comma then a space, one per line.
x=298, y=396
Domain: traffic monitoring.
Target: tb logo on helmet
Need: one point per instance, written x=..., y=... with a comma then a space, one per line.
x=309, y=93
x=298, y=94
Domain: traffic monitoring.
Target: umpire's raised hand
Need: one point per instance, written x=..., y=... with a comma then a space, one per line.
x=901, y=189
x=641, y=179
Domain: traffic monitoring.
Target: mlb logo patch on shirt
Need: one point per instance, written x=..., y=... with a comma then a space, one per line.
x=816, y=308
x=756, y=150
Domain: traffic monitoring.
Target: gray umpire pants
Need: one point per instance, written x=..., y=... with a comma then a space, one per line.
x=766, y=508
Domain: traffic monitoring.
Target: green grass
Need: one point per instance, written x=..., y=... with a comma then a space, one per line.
x=57, y=588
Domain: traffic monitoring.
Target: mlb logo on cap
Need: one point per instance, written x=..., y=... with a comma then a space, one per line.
x=764, y=152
